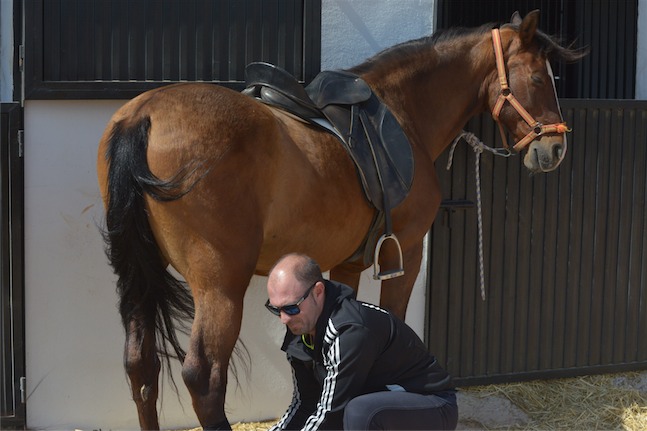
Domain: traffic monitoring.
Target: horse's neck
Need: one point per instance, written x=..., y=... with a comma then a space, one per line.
x=435, y=95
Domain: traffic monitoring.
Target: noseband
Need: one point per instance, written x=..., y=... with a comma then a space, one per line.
x=537, y=128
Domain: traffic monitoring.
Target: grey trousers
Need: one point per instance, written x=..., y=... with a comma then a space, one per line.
x=401, y=411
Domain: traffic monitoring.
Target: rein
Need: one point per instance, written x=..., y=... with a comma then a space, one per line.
x=537, y=128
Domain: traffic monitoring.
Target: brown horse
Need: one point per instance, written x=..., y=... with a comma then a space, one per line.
x=219, y=186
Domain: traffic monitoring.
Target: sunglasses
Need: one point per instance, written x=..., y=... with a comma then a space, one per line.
x=291, y=309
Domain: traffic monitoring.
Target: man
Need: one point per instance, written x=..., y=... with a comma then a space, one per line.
x=354, y=365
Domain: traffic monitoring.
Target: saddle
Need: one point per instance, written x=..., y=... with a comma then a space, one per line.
x=344, y=104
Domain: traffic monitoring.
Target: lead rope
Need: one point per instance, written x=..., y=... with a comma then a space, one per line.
x=478, y=148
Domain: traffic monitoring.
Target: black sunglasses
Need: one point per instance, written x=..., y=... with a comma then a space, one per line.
x=291, y=309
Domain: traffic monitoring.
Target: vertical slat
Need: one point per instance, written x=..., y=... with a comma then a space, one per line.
x=611, y=263
x=562, y=257
x=137, y=13
x=619, y=342
x=101, y=18
x=296, y=46
x=510, y=270
x=578, y=118
x=85, y=37
x=187, y=41
x=52, y=38
x=469, y=283
x=236, y=39
x=69, y=41
x=602, y=242
x=438, y=329
x=494, y=198
x=639, y=244
x=630, y=32
x=617, y=31
x=222, y=55
x=12, y=307
x=204, y=22
x=112, y=59
x=171, y=41
x=586, y=293
x=548, y=283
x=7, y=401
x=253, y=30
x=521, y=280
x=154, y=56
x=633, y=225
x=456, y=270
x=269, y=49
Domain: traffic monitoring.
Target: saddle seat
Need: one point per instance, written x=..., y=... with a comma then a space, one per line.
x=367, y=129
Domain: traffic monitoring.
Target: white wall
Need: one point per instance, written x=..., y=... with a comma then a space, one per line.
x=641, y=60
x=6, y=51
x=74, y=339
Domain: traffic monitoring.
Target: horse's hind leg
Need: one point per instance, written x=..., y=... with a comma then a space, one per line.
x=213, y=337
x=143, y=367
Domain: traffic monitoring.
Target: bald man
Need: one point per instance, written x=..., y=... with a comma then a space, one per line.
x=355, y=366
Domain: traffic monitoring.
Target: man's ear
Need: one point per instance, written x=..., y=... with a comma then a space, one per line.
x=320, y=287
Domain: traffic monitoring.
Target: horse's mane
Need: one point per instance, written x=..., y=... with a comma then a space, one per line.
x=548, y=45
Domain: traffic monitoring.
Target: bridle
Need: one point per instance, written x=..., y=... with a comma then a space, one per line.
x=537, y=128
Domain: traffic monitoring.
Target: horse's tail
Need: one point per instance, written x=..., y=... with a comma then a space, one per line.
x=147, y=291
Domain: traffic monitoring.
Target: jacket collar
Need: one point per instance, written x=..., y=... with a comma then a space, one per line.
x=335, y=294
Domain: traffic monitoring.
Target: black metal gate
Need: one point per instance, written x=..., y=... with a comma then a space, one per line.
x=565, y=255
x=12, y=337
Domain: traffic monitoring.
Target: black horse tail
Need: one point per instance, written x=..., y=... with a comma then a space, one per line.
x=147, y=291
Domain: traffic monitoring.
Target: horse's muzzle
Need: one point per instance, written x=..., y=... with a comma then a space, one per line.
x=545, y=154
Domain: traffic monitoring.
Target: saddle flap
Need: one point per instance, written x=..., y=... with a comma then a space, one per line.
x=386, y=156
x=398, y=151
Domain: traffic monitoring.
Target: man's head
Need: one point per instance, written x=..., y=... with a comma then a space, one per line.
x=296, y=291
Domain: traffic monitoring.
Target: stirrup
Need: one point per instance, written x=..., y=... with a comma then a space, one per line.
x=391, y=273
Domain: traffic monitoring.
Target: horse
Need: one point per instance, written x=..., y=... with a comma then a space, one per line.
x=219, y=186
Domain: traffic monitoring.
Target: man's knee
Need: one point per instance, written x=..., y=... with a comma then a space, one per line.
x=359, y=413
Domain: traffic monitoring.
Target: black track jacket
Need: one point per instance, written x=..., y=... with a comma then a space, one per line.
x=359, y=349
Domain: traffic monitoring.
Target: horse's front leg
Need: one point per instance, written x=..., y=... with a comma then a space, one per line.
x=214, y=333
x=143, y=367
x=395, y=292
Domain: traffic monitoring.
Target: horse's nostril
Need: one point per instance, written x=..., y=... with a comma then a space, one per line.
x=558, y=150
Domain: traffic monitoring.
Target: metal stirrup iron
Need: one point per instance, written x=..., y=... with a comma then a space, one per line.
x=392, y=273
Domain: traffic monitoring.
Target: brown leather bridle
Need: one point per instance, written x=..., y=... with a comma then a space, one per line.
x=537, y=128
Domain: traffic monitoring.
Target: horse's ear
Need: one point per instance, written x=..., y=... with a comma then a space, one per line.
x=516, y=18
x=528, y=27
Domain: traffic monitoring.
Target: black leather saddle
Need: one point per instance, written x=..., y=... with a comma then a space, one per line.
x=368, y=130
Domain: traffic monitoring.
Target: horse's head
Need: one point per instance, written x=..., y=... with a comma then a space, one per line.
x=522, y=93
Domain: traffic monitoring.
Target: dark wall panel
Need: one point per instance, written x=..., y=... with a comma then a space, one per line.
x=12, y=322
x=565, y=254
x=86, y=48
x=608, y=27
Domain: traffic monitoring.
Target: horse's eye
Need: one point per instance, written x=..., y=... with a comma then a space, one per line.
x=536, y=79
